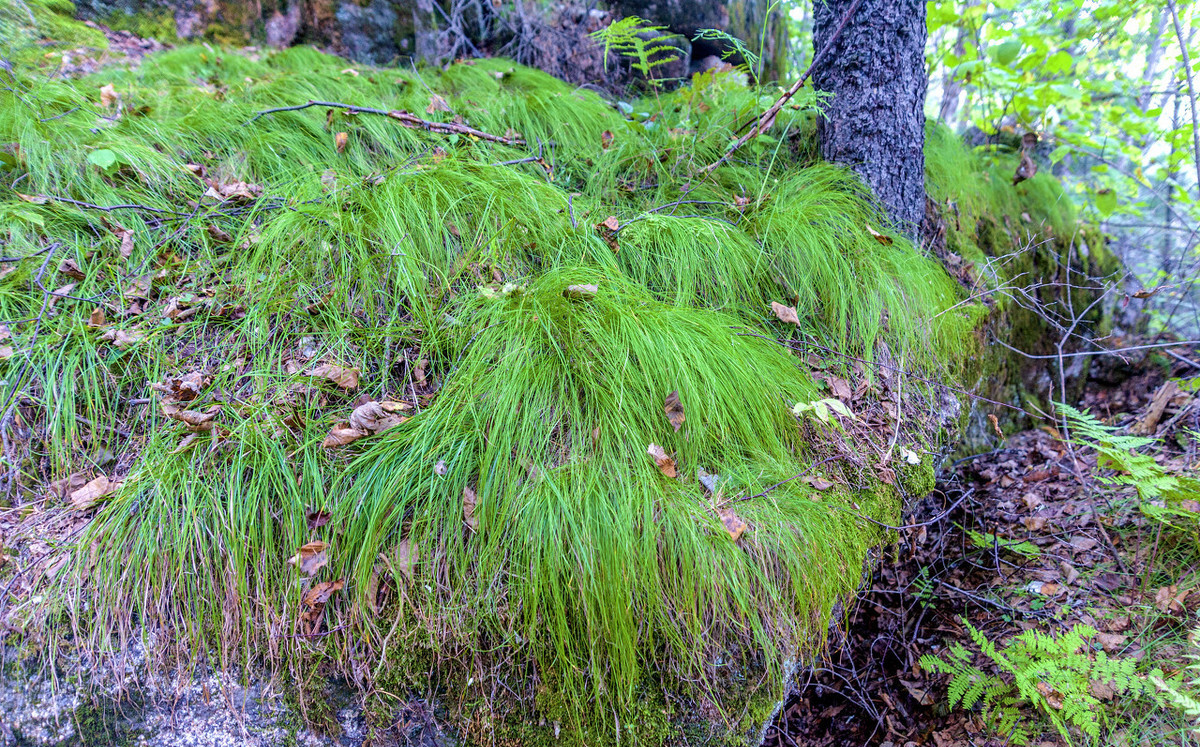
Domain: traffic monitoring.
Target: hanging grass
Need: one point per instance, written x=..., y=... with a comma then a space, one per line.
x=516, y=516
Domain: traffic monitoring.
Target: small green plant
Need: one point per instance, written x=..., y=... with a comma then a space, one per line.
x=988, y=541
x=646, y=46
x=1162, y=496
x=733, y=47
x=822, y=408
x=1180, y=693
x=1062, y=677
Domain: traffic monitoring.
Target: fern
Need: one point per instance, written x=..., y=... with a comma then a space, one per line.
x=1053, y=675
x=1159, y=492
x=734, y=47
x=1183, y=696
x=646, y=46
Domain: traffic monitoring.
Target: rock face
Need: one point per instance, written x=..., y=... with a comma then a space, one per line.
x=136, y=706
x=379, y=32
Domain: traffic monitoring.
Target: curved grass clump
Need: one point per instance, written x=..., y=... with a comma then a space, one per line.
x=435, y=267
x=610, y=566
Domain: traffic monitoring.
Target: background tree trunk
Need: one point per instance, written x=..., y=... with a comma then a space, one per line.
x=875, y=123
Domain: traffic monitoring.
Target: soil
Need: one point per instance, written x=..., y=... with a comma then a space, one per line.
x=1095, y=565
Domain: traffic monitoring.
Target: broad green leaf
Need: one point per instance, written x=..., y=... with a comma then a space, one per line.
x=1106, y=201
x=103, y=158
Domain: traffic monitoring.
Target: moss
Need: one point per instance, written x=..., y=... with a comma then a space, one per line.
x=152, y=23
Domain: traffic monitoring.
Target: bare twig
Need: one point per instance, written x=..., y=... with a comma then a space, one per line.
x=768, y=117
x=811, y=467
x=1187, y=70
x=410, y=121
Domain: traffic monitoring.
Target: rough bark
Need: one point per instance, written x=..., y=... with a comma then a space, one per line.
x=875, y=122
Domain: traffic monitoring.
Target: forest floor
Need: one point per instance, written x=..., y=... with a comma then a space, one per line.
x=1038, y=543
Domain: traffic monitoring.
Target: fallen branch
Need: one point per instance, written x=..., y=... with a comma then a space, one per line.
x=768, y=117
x=410, y=121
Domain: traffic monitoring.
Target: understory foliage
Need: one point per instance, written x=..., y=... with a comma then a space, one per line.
x=528, y=305
x=1057, y=676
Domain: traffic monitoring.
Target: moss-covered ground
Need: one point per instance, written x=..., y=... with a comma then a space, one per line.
x=349, y=395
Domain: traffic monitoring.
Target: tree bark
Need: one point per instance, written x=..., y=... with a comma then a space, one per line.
x=875, y=122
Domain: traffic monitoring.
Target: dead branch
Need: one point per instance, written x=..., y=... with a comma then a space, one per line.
x=406, y=119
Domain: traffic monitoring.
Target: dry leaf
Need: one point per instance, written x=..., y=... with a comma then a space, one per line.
x=60, y=488
x=440, y=468
x=817, y=482
x=194, y=419
x=1054, y=698
x=785, y=314
x=219, y=234
x=319, y=594
x=316, y=518
x=122, y=339
x=839, y=387
x=406, y=558
x=606, y=139
x=340, y=141
x=181, y=388
x=108, y=95
x=97, y=319
x=469, y=503
x=35, y=199
x=345, y=378
x=674, y=409
x=732, y=523
x=311, y=557
x=881, y=238
x=72, y=269
x=437, y=104
x=1102, y=690
x=87, y=496
x=371, y=417
x=341, y=435
x=995, y=425
x=126, y=244
x=581, y=292
x=1111, y=641
x=666, y=464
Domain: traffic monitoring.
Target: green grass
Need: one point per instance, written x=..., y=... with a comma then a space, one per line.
x=589, y=568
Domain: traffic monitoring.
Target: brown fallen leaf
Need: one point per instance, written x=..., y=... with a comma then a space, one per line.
x=97, y=318
x=195, y=420
x=881, y=238
x=345, y=378
x=1111, y=641
x=437, y=104
x=674, y=410
x=320, y=593
x=316, y=518
x=839, y=387
x=406, y=558
x=181, y=388
x=1169, y=600
x=87, y=496
x=126, y=244
x=342, y=434
x=311, y=557
x=60, y=488
x=1102, y=690
x=1054, y=698
x=340, y=140
x=440, y=469
x=666, y=464
x=108, y=95
x=372, y=417
x=469, y=504
x=817, y=482
x=122, y=339
x=71, y=268
x=219, y=234
x=581, y=292
x=35, y=199
x=785, y=314
x=995, y=425
x=732, y=523
x=606, y=139
x=1034, y=523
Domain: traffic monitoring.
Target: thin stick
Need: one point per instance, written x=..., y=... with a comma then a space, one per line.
x=768, y=116
x=1187, y=70
x=811, y=467
x=410, y=121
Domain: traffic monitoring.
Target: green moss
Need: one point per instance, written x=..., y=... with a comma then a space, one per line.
x=149, y=24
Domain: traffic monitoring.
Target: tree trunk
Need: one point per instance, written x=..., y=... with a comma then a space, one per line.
x=875, y=123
